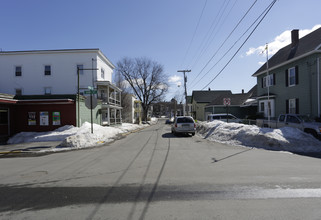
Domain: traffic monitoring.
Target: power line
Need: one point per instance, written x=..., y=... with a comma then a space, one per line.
x=213, y=35
x=223, y=43
x=268, y=10
x=189, y=46
x=209, y=32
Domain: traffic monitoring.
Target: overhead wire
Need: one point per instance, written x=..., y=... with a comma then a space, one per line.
x=267, y=11
x=199, y=20
x=210, y=31
x=240, y=21
x=213, y=35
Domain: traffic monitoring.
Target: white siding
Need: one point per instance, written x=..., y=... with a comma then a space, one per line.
x=63, y=78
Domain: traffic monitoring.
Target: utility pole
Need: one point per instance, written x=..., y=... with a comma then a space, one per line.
x=185, y=80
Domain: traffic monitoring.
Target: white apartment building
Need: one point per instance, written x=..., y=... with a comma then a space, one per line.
x=54, y=72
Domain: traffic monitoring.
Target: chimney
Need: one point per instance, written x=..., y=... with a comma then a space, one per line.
x=209, y=89
x=294, y=37
x=242, y=91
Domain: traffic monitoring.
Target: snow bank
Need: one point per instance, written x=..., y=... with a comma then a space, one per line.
x=57, y=135
x=74, y=137
x=84, y=138
x=283, y=139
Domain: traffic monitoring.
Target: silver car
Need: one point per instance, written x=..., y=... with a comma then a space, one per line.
x=184, y=125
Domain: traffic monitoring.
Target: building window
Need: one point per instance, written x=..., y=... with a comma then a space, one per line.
x=102, y=72
x=292, y=106
x=262, y=107
x=18, y=91
x=18, y=71
x=292, y=76
x=102, y=95
x=47, y=90
x=32, y=118
x=80, y=67
x=268, y=81
x=47, y=70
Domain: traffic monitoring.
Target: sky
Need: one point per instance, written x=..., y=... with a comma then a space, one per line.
x=208, y=37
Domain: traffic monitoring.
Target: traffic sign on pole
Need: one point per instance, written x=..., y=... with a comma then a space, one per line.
x=227, y=101
x=90, y=92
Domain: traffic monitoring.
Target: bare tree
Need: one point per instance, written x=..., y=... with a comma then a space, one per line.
x=120, y=82
x=146, y=78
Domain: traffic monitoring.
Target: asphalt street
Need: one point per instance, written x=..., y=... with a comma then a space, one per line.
x=153, y=174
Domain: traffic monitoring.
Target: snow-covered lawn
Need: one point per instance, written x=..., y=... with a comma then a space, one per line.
x=284, y=139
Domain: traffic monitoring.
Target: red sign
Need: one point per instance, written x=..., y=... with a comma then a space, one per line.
x=227, y=101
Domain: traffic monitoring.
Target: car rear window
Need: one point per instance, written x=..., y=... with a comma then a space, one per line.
x=185, y=120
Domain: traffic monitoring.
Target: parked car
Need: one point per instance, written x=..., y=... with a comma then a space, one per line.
x=301, y=122
x=223, y=117
x=184, y=125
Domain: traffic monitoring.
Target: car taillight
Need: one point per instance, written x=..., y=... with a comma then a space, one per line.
x=175, y=125
x=194, y=125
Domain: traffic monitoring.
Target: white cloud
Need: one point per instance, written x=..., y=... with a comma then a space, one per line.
x=175, y=79
x=280, y=41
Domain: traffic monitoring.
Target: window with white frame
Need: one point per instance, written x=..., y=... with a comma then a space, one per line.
x=268, y=80
x=18, y=71
x=292, y=106
x=102, y=73
x=292, y=76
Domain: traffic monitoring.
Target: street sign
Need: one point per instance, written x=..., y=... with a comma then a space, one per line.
x=91, y=105
x=227, y=101
x=90, y=91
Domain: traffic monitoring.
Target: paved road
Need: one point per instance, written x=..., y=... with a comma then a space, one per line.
x=155, y=175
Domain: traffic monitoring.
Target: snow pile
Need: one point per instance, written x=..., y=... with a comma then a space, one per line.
x=283, y=139
x=74, y=137
x=84, y=138
x=57, y=135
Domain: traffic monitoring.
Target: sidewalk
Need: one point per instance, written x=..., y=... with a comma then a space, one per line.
x=26, y=148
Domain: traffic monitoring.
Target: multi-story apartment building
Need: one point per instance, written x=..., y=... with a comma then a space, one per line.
x=60, y=80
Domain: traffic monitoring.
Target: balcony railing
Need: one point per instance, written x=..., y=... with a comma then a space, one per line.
x=110, y=101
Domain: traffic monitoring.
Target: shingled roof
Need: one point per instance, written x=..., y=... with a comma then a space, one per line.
x=298, y=48
x=236, y=99
x=205, y=96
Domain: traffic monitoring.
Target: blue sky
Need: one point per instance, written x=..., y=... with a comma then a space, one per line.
x=162, y=31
